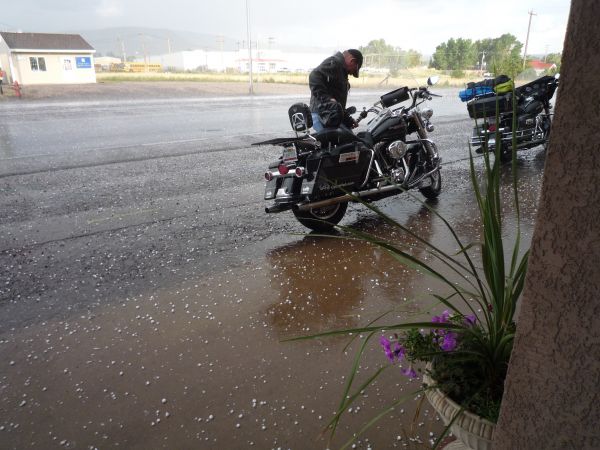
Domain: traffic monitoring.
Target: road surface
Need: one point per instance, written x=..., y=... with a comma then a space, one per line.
x=144, y=293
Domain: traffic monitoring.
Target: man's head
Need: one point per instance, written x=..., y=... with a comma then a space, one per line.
x=353, y=59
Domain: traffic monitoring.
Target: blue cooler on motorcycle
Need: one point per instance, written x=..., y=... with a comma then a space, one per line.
x=468, y=94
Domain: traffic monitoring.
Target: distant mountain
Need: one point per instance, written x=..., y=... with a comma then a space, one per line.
x=137, y=41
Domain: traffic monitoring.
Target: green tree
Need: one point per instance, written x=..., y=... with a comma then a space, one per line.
x=414, y=58
x=502, y=55
x=455, y=54
x=554, y=58
x=439, y=60
x=378, y=53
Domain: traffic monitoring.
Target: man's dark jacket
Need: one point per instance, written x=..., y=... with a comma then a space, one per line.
x=329, y=80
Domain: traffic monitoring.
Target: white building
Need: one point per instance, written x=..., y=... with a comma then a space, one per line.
x=263, y=61
x=43, y=58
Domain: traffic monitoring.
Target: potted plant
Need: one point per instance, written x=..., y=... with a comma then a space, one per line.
x=463, y=352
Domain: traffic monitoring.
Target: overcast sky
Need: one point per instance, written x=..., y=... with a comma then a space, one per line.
x=416, y=24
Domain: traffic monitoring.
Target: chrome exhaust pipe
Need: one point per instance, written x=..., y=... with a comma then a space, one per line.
x=345, y=198
x=275, y=209
x=361, y=194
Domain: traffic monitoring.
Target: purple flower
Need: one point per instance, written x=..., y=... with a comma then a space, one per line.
x=387, y=348
x=399, y=351
x=409, y=372
x=470, y=319
x=443, y=318
x=448, y=341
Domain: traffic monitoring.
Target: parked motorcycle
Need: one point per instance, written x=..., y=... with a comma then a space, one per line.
x=533, y=117
x=318, y=174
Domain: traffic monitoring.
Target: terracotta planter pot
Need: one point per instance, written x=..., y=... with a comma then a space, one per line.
x=474, y=432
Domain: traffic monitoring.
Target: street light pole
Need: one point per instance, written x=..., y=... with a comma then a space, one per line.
x=249, y=48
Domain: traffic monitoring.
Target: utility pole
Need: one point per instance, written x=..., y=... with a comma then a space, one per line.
x=531, y=14
x=249, y=48
x=122, y=48
x=169, y=45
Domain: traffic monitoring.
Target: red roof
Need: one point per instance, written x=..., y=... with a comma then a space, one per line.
x=541, y=65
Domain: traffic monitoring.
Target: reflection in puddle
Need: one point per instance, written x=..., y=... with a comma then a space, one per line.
x=327, y=283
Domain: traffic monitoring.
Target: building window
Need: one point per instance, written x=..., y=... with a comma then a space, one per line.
x=37, y=63
x=271, y=67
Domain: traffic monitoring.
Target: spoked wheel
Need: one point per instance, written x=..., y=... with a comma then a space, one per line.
x=434, y=189
x=322, y=219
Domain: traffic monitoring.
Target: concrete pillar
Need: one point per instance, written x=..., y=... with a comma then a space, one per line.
x=552, y=396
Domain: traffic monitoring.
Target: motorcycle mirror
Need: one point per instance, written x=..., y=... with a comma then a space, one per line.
x=557, y=76
x=433, y=80
x=351, y=110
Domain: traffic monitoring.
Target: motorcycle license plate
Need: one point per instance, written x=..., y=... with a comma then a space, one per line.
x=289, y=155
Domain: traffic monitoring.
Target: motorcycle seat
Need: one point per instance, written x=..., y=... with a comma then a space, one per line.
x=335, y=136
x=341, y=136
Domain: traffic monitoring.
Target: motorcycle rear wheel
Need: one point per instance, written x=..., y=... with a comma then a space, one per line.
x=322, y=219
x=433, y=190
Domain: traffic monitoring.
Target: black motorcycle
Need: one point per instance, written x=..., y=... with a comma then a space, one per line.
x=532, y=103
x=318, y=174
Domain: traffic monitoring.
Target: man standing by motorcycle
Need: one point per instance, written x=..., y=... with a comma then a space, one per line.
x=329, y=89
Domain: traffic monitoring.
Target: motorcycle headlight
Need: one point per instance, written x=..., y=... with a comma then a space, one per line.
x=397, y=149
x=427, y=113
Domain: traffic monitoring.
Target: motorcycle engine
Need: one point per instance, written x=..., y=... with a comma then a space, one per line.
x=397, y=149
x=398, y=175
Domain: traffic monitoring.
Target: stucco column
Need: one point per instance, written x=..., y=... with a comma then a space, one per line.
x=552, y=396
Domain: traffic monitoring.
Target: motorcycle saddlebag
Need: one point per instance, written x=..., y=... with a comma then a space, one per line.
x=343, y=168
x=394, y=97
x=486, y=106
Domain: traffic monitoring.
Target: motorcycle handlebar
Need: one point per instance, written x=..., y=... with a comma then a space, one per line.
x=421, y=92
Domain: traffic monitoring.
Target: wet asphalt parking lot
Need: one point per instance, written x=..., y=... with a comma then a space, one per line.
x=145, y=294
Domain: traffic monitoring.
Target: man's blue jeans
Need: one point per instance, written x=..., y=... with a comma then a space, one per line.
x=317, y=125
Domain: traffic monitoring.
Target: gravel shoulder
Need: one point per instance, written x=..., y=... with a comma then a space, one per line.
x=149, y=89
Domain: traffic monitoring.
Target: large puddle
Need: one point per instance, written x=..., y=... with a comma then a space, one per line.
x=202, y=364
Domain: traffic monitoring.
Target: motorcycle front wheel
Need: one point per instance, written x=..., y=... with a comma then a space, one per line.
x=434, y=189
x=322, y=219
